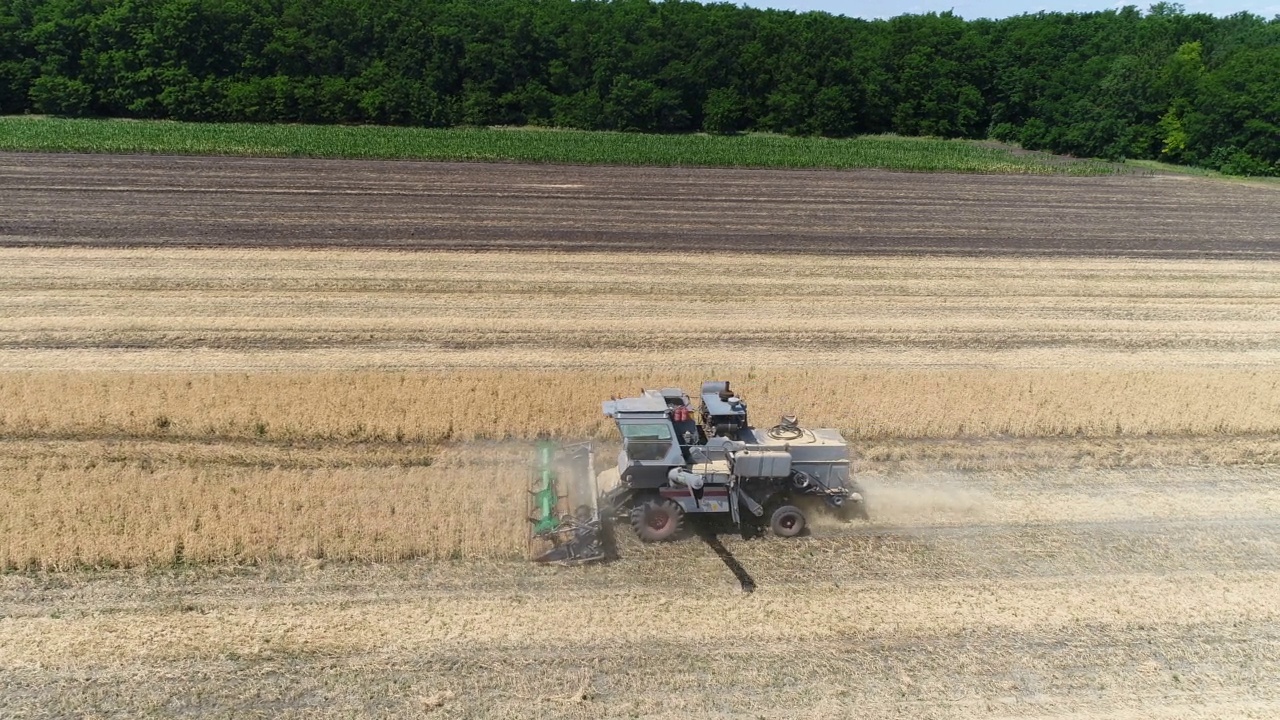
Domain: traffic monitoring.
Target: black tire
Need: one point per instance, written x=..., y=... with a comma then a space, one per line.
x=657, y=520
x=787, y=521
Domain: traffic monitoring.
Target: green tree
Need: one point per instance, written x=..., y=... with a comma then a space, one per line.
x=17, y=66
x=57, y=95
x=724, y=112
x=1182, y=76
x=1118, y=83
x=1235, y=125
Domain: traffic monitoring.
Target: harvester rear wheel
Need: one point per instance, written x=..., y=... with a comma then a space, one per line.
x=657, y=520
x=787, y=521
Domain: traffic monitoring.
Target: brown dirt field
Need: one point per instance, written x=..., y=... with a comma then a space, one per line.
x=201, y=201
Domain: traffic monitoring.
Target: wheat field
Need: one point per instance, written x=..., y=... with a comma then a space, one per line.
x=164, y=407
x=129, y=504
x=458, y=405
x=166, y=503
x=429, y=346
x=1131, y=594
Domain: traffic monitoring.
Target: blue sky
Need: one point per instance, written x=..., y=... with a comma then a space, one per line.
x=971, y=9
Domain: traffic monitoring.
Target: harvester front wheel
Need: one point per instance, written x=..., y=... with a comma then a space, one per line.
x=787, y=521
x=657, y=520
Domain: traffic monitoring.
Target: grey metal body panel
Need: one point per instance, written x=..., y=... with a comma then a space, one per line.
x=725, y=415
x=717, y=407
x=671, y=393
x=712, y=499
x=713, y=470
x=762, y=464
x=821, y=452
x=651, y=401
x=644, y=476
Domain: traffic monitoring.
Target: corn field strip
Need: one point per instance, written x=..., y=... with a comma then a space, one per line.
x=534, y=145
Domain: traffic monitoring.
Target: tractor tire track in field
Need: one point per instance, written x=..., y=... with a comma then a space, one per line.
x=106, y=200
x=957, y=604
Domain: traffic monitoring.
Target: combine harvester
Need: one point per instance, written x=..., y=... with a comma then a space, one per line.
x=678, y=463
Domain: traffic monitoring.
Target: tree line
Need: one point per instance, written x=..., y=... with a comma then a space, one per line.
x=1155, y=84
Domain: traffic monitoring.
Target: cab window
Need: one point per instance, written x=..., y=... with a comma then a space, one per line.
x=647, y=431
x=646, y=441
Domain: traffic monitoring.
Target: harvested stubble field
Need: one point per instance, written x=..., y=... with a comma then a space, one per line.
x=1133, y=593
x=1072, y=462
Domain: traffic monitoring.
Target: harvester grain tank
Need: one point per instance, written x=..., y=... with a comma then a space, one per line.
x=679, y=462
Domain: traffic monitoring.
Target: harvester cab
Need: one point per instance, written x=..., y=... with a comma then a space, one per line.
x=679, y=462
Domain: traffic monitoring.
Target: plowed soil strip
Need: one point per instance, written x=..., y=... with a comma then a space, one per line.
x=198, y=201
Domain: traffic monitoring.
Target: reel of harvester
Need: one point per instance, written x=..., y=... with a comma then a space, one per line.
x=564, y=507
